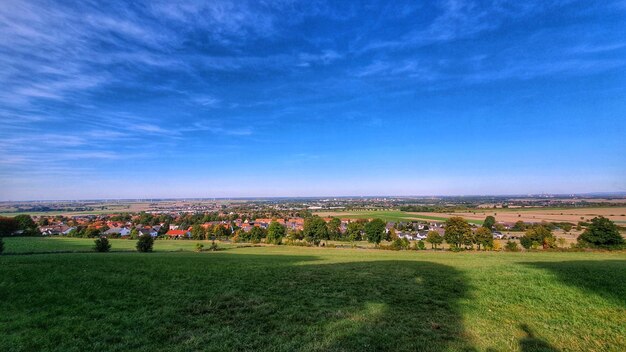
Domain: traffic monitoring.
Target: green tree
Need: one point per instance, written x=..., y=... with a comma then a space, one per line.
x=198, y=232
x=469, y=238
x=294, y=235
x=511, y=246
x=484, y=238
x=434, y=238
x=391, y=235
x=354, y=231
x=489, y=222
x=375, y=231
x=601, y=233
x=145, y=243
x=275, y=233
x=256, y=234
x=519, y=226
x=334, y=233
x=102, y=244
x=538, y=234
x=221, y=232
x=457, y=229
x=26, y=224
x=315, y=230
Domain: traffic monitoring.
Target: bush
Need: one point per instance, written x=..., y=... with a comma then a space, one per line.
x=511, y=246
x=199, y=247
x=1, y=245
x=396, y=245
x=525, y=241
x=214, y=246
x=145, y=243
x=421, y=245
x=102, y=244
x=549, y=242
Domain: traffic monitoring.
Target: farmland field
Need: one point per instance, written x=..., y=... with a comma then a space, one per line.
x=283, y=298
x=616, y=214
x=573, y=215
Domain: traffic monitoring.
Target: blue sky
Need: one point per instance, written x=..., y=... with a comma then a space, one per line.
x=287, y=98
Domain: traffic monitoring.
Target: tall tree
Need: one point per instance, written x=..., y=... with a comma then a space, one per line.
x=456, y=229
x=221, y=232
x=26, y=224
x=375, y=231
x=469, y=239
x=354, y=231
x=484, y=238
x=198, y=232
x=434, y=238
x=601, y=233
x=275, y=233
x=489, y=222
x=315, y=230
x=257, y=234
x=334, y=233
x=391, y=235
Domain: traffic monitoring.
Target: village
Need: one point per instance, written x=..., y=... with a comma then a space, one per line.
x=184, y=227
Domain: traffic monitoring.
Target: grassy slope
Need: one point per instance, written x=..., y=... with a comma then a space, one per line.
x=287, y=298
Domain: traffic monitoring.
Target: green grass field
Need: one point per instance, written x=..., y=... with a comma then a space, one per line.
x=20, y=245
x=280, y=298
x=387, y=215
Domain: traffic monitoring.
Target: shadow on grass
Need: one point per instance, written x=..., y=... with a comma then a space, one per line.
x=606, y=278
x=533, y=343
x=232, y=302
x=374, y=306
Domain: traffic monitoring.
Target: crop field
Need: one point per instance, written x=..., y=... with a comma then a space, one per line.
x=281, y=298
x=616, y=214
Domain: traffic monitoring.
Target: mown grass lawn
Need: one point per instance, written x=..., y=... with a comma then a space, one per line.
x=293, y=298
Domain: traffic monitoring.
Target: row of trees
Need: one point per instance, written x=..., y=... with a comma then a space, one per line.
x=145, y=243
x=317, y=230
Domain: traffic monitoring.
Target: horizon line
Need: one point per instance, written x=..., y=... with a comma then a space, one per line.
x=596, y=194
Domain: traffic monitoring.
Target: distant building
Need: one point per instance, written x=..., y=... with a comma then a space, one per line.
x=178, y=233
